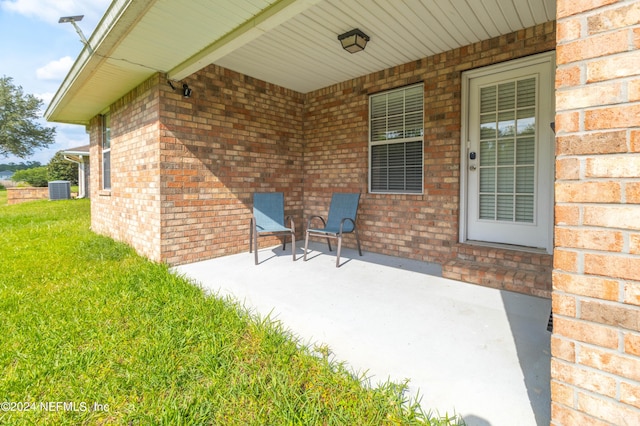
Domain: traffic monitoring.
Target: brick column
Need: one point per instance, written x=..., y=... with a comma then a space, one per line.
x=595, y=365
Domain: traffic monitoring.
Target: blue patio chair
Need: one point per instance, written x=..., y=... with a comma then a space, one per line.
x=341, y=220
x=268, y=220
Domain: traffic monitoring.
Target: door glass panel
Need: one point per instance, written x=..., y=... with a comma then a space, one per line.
x=505, y=180
x=524, y=180
x=504, y=209
x=488, y=126
x=488, y=180
x=487, y=207
x=487, y=153
x=507, y=151
x=524, y=208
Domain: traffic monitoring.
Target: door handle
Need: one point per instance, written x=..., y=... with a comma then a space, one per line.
x=472, y=167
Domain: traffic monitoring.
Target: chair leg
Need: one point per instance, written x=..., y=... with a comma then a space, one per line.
x=306, y=244
x=255, y=243
x=251, y=237
x=355, y=230
x=329, y=243
x=293, y=246
x=339, y=248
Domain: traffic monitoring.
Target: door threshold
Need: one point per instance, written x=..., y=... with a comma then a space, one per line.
x=513, y=247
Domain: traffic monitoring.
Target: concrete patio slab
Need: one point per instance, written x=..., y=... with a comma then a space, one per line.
x=479, y=352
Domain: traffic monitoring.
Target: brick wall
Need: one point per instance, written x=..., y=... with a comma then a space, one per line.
x=130, y=211
x=22, y=195
x=423, y=227
x=233, y=137
x=596, y=281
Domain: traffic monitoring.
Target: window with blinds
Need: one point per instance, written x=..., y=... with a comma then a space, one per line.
x=507, y=151
x=396, y=123
x=106, y=152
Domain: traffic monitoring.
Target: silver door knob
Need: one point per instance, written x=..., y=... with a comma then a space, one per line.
x=472, y=167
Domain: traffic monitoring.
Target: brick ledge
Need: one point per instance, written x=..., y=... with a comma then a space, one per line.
x=535, y=283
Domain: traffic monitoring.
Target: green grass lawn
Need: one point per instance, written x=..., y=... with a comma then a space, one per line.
x=91, y=333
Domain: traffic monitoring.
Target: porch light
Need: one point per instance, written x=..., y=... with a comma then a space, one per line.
x=353, y=41
x=186, y=92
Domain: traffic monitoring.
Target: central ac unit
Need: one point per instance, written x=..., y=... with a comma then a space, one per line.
x=59, y=190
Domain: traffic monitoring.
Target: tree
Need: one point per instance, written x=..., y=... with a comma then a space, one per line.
x=20, y=134
x=38, y=176
x=61, y=169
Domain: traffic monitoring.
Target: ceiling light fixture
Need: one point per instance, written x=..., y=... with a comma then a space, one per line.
x=353, y=41
x=72, y=20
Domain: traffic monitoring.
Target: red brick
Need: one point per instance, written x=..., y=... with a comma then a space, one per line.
x=563, y=304
x=634, y=243
x=583, y=378
x=588, y=192
x=633, y=88
x=625, y=116
x=627, y=166
x=565, y=260
x=589, y=96
x=561, y=393
x=568, y=30
x=568, y=76
x=610, y=362
x=567, y=169
x=592, y=47
x=601, y=288
x=616, y=266
x=608, y=410
x=567, y=122
x=592, y=143
x=614, y=216
x=632, y=344
x=627, y=15
x=624, y=65
x=632, y=293
x=566, y=8
x=630, y=394
x=567, y=215
x=563, y=349
x=614, y=314
x=583, y=331
x=562, y=415
x=605, y=240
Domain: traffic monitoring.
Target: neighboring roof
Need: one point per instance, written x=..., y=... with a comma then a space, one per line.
x=81, y=150
x=291, y=43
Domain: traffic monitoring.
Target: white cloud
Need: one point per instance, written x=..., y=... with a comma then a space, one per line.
x=55, y=70
x=45, y=97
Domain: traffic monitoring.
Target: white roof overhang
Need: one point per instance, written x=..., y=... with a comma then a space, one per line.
x=291, y=43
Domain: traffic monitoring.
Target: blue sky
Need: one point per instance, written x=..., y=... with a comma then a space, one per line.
x=37, y=52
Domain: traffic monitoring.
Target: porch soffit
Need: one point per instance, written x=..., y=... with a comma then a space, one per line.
x=291, y=43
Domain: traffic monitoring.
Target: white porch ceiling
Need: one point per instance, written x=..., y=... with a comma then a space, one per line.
x=291, y=43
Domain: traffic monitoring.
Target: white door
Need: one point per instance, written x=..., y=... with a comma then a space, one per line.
x=508, y=153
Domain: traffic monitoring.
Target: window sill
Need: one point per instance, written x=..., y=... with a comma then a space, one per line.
x=104, y=193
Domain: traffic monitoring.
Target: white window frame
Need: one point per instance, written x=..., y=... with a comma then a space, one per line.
x=391, y=138
x=106, y=151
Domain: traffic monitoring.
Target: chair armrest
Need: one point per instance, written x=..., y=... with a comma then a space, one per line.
x=324, y=224
x=292, y=222
x=344, y=220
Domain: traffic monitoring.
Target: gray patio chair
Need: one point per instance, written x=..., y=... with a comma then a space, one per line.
x=341, y=220
x=268, y=220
